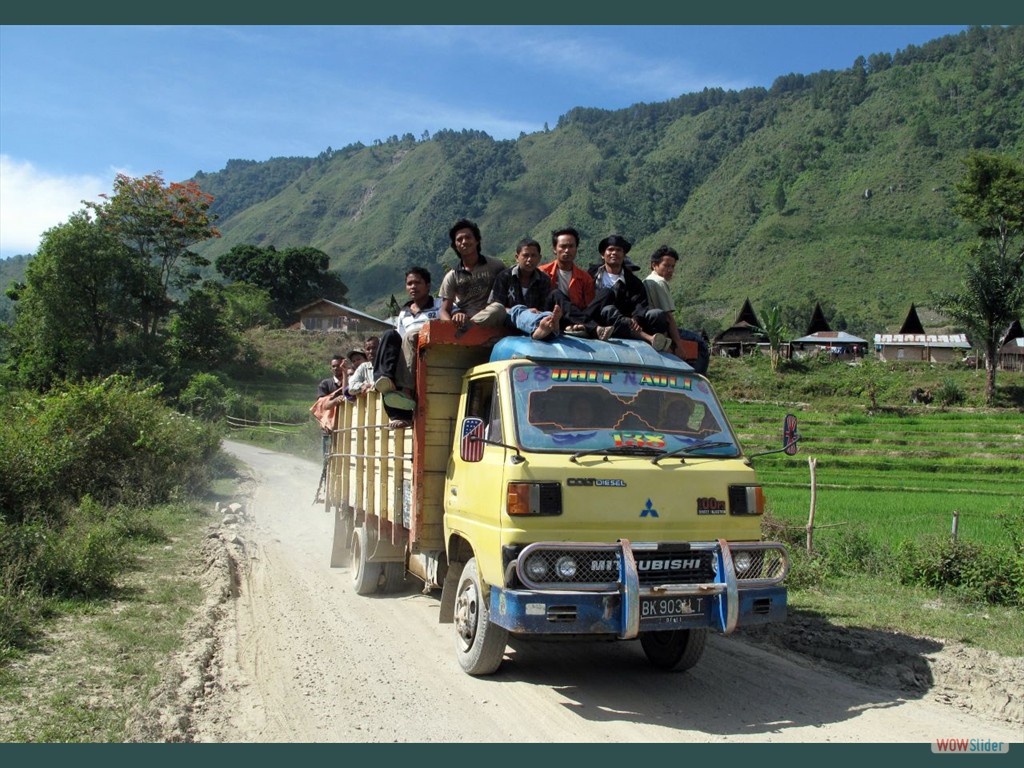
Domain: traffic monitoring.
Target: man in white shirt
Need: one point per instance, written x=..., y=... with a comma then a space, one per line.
x=663, y=267
x=395, y=361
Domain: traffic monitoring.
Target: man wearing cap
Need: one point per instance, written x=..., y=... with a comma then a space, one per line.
x=466, y=287
x=572, y=287
x=620, y=307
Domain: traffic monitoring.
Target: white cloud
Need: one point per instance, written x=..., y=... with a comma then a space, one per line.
x=32, y=201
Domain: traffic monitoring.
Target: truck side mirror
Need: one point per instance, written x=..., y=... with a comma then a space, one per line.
x=471, y=447
x=790, y=437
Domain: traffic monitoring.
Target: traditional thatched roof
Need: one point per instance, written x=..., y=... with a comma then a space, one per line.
x=912, y=324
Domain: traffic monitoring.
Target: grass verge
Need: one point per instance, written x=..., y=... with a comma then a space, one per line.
x=95, y=660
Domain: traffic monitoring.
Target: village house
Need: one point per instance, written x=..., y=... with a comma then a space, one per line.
x=912, y=344
x=821, y=339
x=325, y=315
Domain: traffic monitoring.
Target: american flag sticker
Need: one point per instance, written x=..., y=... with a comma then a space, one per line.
x=472, y=434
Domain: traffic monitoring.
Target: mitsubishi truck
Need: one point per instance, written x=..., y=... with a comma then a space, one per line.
x=556, y=490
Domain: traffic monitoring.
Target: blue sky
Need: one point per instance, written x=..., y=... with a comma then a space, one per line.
x=79, y=104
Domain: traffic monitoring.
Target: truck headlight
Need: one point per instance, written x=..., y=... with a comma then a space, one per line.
x=742, y=561
x=536, y=568
x=565, y=567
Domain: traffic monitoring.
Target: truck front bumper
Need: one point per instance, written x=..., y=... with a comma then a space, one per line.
x=627, y=607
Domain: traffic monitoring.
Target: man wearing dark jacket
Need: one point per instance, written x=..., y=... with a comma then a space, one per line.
x=620, y=306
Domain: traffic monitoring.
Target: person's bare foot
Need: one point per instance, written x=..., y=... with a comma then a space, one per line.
x=547, y=326
x=604, y=332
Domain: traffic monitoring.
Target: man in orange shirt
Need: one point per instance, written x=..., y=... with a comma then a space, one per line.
x=572, y=287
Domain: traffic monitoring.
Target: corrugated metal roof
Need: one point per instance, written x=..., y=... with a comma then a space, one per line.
x=830, y=337
x=348, y=309
x=946, y=340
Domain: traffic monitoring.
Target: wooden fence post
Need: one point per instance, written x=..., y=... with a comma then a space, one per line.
x=812, y=463
x=956, y=523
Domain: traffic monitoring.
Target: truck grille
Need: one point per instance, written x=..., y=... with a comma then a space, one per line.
x=694, y=567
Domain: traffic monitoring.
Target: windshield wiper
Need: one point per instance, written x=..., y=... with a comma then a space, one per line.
x=686, y=449
x=618, y=450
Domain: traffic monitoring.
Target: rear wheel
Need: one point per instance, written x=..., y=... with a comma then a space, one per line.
x=479, y=644
x=677, y=650
x=394, y=576
x=342, y=539
x=365, y=575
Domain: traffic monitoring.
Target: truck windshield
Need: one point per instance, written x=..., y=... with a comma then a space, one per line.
x=598, y=407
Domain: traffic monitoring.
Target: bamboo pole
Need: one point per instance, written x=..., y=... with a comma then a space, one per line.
x=812, y=463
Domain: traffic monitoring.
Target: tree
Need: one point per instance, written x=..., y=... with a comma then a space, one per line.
x=200, y=336
x=78, y=301
x=158, y=223
x=293, y=277
x=780, y=196
x=773, y=330
x=991, y=197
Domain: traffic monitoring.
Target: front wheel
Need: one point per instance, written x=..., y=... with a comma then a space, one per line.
x=676, y=650
x=479, y=644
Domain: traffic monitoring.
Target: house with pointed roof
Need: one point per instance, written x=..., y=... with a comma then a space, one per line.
x=820, y=338
x=1011, y=348
x=913, y=345
x=326, y=315
x=741, y=337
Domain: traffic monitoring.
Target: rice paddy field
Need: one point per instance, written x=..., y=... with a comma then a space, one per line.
x=896, y=476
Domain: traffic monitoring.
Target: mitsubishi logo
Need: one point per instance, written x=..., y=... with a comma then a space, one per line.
x=649, y=510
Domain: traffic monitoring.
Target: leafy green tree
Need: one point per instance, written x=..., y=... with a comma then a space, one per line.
x=991, y=197
x=200, y=336
x=77, y=302
x=780, y=196
x=158, y=224
x=773, y=330
x=247, y=306
x=293, y=277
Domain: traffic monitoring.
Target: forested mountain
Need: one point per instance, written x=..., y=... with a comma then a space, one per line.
x=831, y=187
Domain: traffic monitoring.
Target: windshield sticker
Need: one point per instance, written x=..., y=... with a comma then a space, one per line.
x=637, y=440
x=625, y=378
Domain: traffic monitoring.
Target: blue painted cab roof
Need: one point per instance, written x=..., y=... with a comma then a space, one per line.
x=570, y=349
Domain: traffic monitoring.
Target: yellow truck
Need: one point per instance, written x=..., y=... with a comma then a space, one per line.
x=567, y=489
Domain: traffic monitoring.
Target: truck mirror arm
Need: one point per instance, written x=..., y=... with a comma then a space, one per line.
x=517, y=459
x=786, y=447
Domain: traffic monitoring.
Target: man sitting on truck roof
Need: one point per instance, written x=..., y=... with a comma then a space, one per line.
x=395, y=361
x=468, y=284
x=663, y=267
x=572, y=288
x=620, y=307
x=524, y=292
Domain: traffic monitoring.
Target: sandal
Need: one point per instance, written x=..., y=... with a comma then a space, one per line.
x=661, y=342
x=399, y=424
x=576, y=330
x=604, y=332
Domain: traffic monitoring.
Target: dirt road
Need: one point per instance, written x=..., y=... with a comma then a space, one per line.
x=289, y=653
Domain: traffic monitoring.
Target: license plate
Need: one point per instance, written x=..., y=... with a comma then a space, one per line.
x=675, y=608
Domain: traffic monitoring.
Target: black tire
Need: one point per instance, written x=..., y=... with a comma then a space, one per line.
x=675, y=650
x=365, y=576
x=479, y=644
x=342, y=539
x=394, y=577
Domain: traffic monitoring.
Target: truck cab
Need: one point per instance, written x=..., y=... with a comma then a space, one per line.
x=590, y=490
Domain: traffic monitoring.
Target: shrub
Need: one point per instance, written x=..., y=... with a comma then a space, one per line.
x=969, y=570
x=949, y=393
x=206, y=397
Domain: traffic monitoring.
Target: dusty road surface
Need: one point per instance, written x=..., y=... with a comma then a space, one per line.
x=287, y=652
